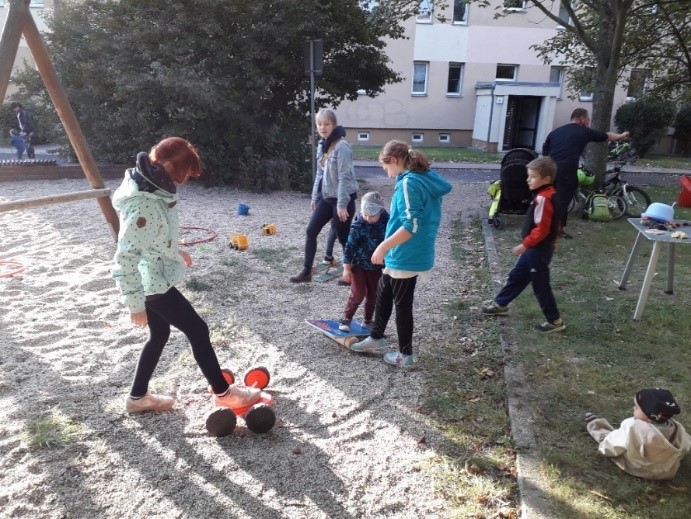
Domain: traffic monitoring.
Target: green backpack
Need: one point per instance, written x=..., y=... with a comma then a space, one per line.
x=597, y=208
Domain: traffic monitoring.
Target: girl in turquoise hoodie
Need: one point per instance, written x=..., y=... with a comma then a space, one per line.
x=148, y=265
x=407, y=251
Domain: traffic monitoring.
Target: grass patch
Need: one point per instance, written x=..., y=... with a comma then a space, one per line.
x=601, y=360
x=435, y=154
x=466, y=397
x=51, y=431
x=445, y=154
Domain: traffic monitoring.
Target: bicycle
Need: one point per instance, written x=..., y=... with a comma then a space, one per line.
x=637, y=200
x=616, y=202
x=622, y=152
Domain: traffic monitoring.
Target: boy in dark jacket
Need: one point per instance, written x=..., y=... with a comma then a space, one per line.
x=540, y=231
x=366, y=233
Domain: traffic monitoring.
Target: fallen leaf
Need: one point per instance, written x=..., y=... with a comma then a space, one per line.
x=422, y=440
x=678, y=489
x=599, y=494
x=297, y=450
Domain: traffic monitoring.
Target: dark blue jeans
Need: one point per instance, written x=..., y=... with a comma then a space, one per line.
x=531, y=267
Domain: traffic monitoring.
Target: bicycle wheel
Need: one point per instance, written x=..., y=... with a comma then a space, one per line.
x=637, y=201
x=617, y=206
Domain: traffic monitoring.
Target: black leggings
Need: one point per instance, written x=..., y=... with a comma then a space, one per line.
x=325, y=211
x=398, y=292
x=173, y=309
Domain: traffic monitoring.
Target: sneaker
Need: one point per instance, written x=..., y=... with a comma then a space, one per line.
x=396, y=358
x=305, y=276
x=495, y=309
x=554, y=326
x=344, y=325
x=343, y=283
x=238, y=396
x=370, y=345
x=328, y=261
x=368, y=323
x=149, y=402
x=566, y=235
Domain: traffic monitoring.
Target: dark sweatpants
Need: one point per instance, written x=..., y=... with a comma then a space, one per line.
x=173, y=309
x=363, y=286
x=532, y=267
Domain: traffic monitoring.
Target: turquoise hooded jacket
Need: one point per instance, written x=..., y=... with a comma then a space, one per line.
x=147, y=260
x=416, y=206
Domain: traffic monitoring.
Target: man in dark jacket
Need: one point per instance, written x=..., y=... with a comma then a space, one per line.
x=565, y=146
x=26, y=127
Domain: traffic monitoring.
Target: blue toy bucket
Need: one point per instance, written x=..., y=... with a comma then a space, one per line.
x=243, y=210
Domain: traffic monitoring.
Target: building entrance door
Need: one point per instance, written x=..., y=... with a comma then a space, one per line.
x=520, y=128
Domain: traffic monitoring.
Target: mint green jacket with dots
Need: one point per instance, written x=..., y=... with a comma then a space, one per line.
x=147, y=260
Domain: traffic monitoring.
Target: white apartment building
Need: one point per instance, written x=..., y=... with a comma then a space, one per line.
x=473, y=81
x=38, y=8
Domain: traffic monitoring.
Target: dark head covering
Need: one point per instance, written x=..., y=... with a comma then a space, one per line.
x=150, y=178
x=657, y=404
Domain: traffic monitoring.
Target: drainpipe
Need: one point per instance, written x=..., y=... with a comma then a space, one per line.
x=491, y=113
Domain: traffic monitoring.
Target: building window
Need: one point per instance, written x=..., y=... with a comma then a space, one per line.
x=455, y=79
x=424, y=14
x=460, y=12
x=417, y=138
x=34, y=3
x=585, y=95
x=444, y=138
x=363, y=136
x=420, y=78
x=506, y=72
x=514, y=5
x=556, y=75
x=637, y=83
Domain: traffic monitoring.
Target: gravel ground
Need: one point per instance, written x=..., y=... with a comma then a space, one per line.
x=348, y=441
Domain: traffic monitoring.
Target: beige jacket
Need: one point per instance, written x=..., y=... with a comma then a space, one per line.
x=640, y=448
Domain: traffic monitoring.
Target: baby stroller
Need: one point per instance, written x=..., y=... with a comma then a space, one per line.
x=510, y=194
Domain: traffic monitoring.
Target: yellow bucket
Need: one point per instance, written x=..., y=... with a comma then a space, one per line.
x=238, y=241
x=269, y=229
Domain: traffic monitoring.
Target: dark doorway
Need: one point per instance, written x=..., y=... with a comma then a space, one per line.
x=522, y=114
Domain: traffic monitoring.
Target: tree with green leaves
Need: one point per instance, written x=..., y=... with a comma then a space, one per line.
x=228, y=76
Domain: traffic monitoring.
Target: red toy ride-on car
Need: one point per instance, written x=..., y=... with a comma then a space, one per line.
x=258, y=417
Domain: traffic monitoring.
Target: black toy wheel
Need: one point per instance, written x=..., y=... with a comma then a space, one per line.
x=498, y=223
x=258, y=377
x=260, y=419
x=221, y=422
x=228, y=375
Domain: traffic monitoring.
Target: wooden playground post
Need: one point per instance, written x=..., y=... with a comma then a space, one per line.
x=19, y=20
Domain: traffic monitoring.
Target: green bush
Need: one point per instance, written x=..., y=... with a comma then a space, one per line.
x=646, y=120
x=682, y=130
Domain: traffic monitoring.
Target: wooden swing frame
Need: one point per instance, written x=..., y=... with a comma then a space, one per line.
x=20, y=22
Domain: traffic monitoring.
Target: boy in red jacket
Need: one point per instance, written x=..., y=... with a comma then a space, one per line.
x=540, y=231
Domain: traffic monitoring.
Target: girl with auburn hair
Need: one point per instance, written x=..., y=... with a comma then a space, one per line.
x=407, y=251
x=148, y=265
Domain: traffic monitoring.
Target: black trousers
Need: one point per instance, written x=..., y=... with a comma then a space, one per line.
x=172, y=309
x=566, y=184
x=399, y=293
x=325, y=212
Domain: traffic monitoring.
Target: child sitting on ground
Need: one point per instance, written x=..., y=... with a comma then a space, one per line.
x=650, y=444
x=540, y=231
x=366, y=233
